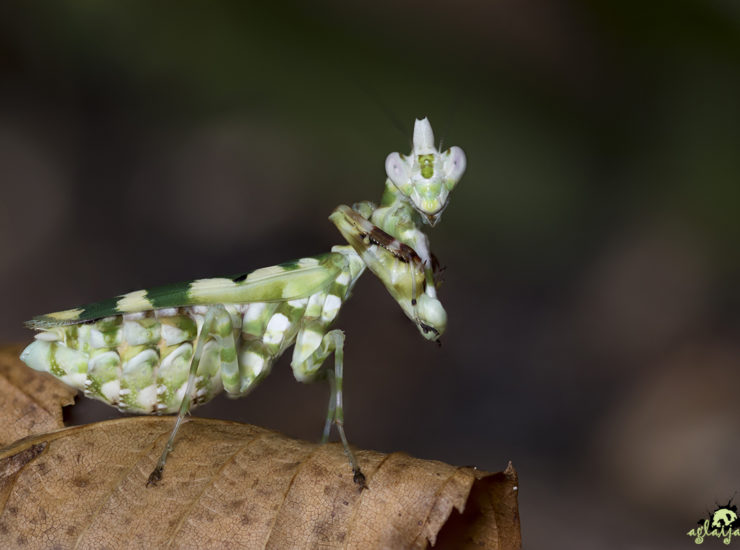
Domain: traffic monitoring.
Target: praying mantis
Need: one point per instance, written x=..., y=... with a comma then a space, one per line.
x=168, y=349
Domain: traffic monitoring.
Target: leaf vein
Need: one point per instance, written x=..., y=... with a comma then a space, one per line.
x=210, y=483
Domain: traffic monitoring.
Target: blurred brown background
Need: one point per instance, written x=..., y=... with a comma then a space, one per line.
x=591, y=249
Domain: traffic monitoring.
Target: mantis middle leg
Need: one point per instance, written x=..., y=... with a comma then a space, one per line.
x=217, y=326
x=333, y=341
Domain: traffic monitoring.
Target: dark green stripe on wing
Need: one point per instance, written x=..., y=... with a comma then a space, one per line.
x=172, y=295
x=288, y=281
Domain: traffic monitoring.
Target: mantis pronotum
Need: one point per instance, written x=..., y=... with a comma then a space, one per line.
x=167, y=349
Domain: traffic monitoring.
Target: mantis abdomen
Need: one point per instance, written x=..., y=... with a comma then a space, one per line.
x=139, y=362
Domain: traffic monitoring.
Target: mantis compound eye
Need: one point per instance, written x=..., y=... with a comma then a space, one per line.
x=432, y=317
x=453, y=166
x=399, y=172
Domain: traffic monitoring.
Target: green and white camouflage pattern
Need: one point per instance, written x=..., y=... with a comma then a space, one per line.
x=167, y=349
x=139, y=362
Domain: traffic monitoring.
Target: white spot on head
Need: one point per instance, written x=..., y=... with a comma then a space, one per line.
x=423, y=137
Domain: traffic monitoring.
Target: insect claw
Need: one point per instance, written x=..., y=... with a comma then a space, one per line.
x=359, y=478
x=155, y=477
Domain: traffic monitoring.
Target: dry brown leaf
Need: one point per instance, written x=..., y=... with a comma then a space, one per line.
x=30, y=402
x=234, y=485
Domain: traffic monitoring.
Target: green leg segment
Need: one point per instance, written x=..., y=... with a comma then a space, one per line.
x=217, y=325
x=334, y=340
x=332, y=406
x=307, y=367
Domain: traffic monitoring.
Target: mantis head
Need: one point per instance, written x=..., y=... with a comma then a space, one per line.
x=426, y=176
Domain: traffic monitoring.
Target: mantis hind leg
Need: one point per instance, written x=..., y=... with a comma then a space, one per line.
x=334, y=339
x=332, y=407
x=217, y=325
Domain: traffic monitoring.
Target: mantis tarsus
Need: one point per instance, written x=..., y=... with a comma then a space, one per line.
x=167, y=349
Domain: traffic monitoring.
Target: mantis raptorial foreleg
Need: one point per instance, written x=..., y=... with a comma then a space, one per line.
x=398, y=222
x=216, y=325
